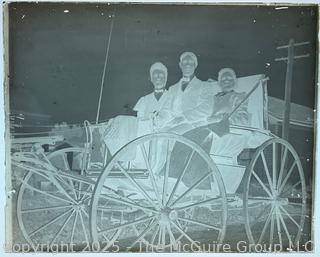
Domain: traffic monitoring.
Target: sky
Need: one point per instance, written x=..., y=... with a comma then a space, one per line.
x=57, y=52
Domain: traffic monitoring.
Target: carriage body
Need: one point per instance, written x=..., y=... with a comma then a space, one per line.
x=161, y=188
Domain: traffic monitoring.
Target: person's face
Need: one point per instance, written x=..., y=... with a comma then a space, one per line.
x=188, y=66
x=158, y=79
x=227, y=81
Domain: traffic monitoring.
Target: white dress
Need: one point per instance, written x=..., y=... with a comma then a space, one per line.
x=152, y=114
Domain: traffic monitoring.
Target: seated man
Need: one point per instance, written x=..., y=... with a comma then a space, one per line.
x=229, y=107
x=191, y=98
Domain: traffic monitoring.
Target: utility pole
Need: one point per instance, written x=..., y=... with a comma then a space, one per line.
x=288, y=84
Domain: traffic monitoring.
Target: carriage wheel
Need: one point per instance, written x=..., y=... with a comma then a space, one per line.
x=52, y=208
x=275, y=196
x=170, y=193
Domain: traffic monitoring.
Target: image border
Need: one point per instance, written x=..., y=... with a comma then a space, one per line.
x=4, y=141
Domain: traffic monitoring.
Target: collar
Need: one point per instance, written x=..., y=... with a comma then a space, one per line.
x=224, y=93
x=157, y=91
x=187, y=79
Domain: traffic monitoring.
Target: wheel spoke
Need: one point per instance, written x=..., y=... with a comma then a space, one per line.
x=160, y=234
x=150, y=226
x=278, y=227
x=88, y=217
x=155, y=234
x=132, y=204
x=137, y=185
x=52, y=179
x=153, y=181
x=199, y=203
x=163, y=240
x=261, y=183
x=70, y=185
x=184, y=234
x=188, y=191
x=296, y=204
x=45, y=208
x=267, y=171
x=291, y=188
x=124, y=225
x=283, y=163
x=265, y=225
x=65, y=161
x=73, y=227
x=50, y=222
x=285, y=229
x=260, y=198
x=180, y=177
x=62, y=227
x=274, y=165
x=110, y=242
x=287, y=177
x=171, y=236
x=32, y=188
x=272, y=229
x=166, y=174
x=84, y=228
x=290, y=217
x=200, y=223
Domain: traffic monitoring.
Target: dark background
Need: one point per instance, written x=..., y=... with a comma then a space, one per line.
x=57, y=58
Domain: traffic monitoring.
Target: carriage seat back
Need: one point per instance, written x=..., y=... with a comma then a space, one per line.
x=257, y=101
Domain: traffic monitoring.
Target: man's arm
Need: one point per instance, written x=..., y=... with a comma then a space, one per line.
x=203, y=108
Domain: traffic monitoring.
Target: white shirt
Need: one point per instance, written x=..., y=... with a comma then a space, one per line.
x=148, y=105
x=195, y=102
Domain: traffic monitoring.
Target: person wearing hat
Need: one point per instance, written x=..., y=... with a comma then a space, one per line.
x=152, y=107
x=229, y=107
x=225, y=101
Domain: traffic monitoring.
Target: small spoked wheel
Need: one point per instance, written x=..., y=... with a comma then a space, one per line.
x=53, y=203
x=275, y=196
x=169, y=193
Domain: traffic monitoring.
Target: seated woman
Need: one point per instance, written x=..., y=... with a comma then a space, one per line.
x=151, y=109
x=225, y=102
x=229, y=107
x=151, y=115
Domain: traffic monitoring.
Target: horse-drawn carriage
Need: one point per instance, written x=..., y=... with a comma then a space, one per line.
x=162, y=190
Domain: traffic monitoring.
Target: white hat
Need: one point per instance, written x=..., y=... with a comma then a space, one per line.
x=192, y=55
x=158, y=66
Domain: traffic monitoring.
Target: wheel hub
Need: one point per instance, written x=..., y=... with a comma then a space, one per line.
x=78, y=206
x=166, y=215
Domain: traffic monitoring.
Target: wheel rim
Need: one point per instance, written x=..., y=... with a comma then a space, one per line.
x=158, y=210
x=275, y=196
x=52, y=208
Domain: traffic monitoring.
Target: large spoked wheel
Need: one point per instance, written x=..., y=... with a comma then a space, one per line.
x=53, y=202
x=169, y=193
x=275, y=195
